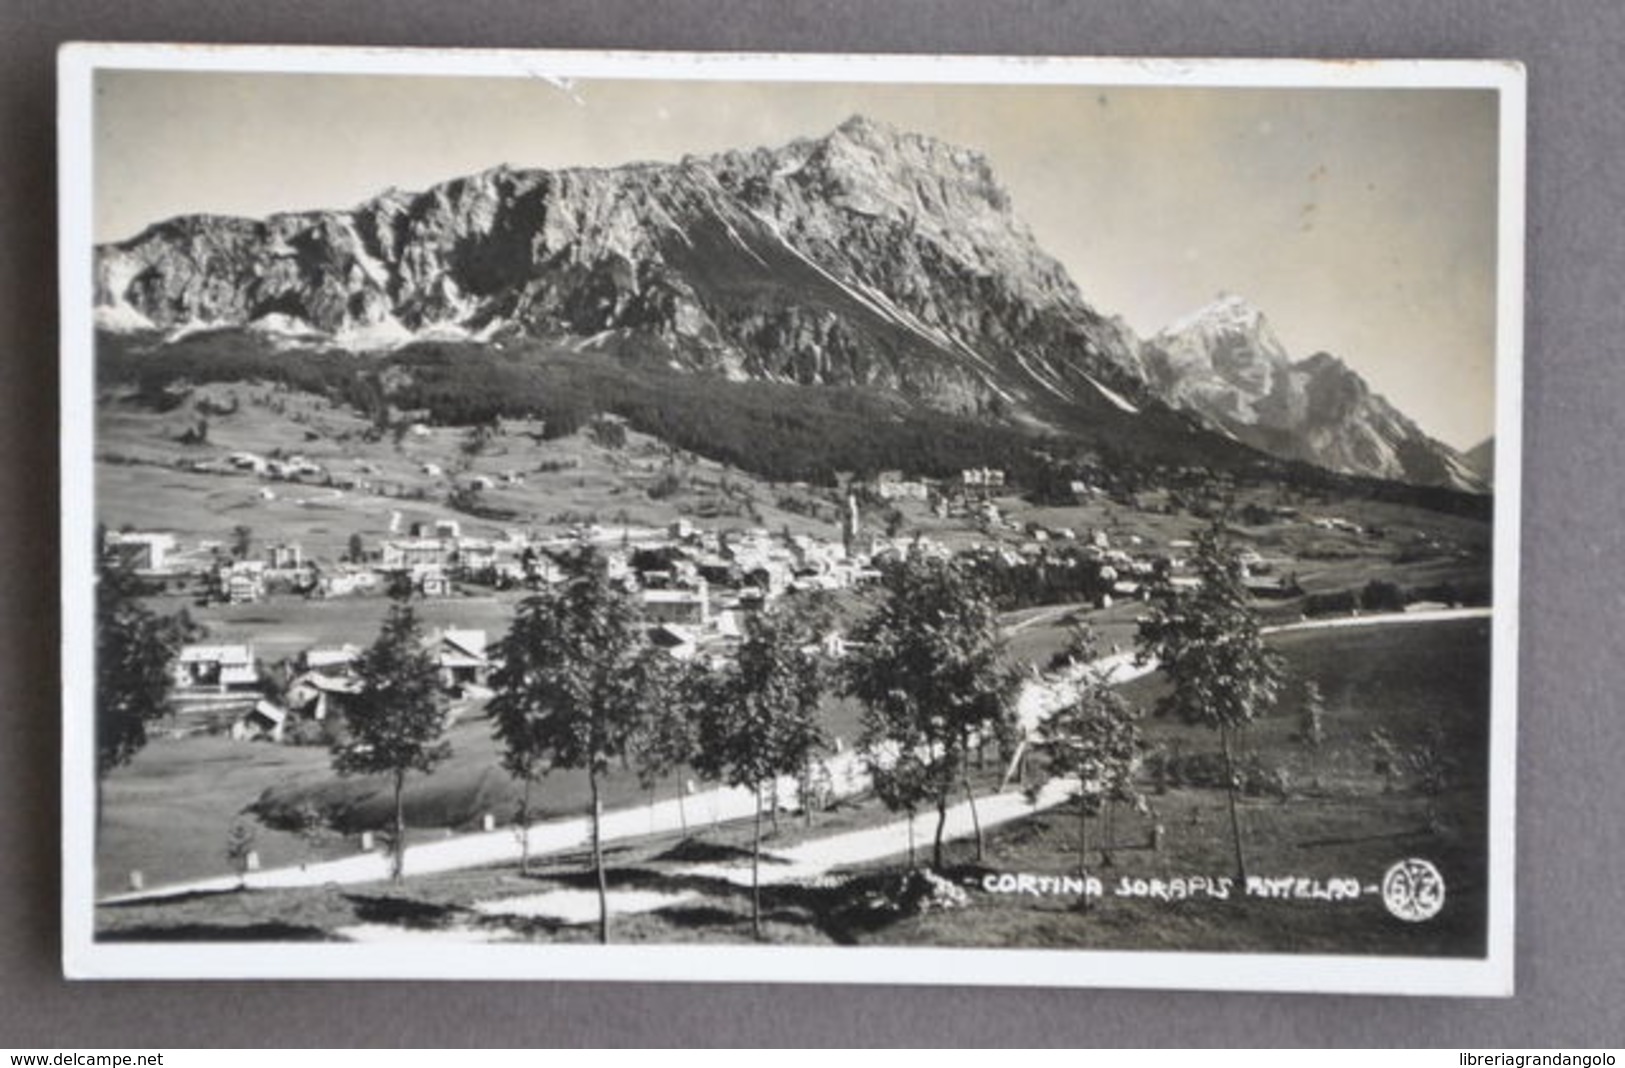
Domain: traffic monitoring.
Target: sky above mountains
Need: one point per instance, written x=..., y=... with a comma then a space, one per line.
x=1363, y=222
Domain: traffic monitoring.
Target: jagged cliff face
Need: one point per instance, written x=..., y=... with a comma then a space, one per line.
x=1225, y=363
x=867, y=257
x=1481, y=460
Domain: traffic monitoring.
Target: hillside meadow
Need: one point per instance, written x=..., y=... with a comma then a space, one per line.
x=1331, y=812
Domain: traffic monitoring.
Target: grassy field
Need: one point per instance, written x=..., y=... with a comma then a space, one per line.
x=168, y=812
x=140, y=480
x=282, y=626
x=1339, y=817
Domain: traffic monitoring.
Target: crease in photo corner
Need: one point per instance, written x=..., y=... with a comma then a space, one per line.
x=84, y=957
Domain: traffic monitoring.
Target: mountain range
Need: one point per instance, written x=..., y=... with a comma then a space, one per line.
x=1225, y=362
x=870, y=257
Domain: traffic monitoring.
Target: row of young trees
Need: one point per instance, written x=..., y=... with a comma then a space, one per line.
x=580, y=687
x=135, y=647
x=936, y=691
x=1208, y=643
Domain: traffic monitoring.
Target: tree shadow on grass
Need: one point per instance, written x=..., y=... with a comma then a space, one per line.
x=1407, y=834
x=530, y=928
x=693, y=916
x=563, y=865
x=405, y=912
x=699, y=851
x=842, y=909
x=167, y=900
x=209, y=932
x=638, y=878
x=859, y=906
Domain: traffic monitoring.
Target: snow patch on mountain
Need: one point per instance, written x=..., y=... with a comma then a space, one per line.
x=1116, y=398
x=283, y=325
x=121, y=319
x=387, y=333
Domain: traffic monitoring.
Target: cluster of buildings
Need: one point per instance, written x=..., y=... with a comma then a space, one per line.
x=1337, y=523
x=972, y=483
x=365, y=476
x=218, y=679
x=695, y=587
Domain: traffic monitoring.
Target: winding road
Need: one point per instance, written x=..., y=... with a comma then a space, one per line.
x=808, y=860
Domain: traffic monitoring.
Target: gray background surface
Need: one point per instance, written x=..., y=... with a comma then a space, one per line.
x=1571, y=795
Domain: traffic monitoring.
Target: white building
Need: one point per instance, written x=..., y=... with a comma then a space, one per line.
x=147, y=551
x=217, y=667
x=462, y=658
x=684, y=607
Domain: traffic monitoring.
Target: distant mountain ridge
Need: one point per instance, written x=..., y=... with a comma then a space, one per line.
x=869, y=257
x=1225, y=363
x=1481, y=459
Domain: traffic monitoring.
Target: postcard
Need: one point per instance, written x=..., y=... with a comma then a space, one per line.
x=796, y=518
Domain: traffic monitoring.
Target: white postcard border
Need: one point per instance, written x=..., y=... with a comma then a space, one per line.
x=85, y=958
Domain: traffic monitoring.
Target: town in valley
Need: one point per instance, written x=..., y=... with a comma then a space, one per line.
x=773, y=546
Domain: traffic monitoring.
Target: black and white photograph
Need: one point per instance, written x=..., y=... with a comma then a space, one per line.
x=790, y=518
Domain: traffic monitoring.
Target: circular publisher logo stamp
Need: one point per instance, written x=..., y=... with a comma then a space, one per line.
x=1413, y=890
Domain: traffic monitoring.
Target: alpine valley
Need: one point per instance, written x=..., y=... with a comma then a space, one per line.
x=882, y=272
x=637, y=475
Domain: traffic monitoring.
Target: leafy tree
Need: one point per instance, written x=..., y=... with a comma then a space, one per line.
x=669, y=483
x=309, y=822
x=239, y=847
x=902, y=781
x=574, y=687
x=397, y=718
x=1095, y=739
x=1432, y=768
x=242, y=540
x=1208, y=643
x=517, y=727
x=357, y=549
x=608, y=433
x=475, y=441
x=665, y=741
x=927, y=667
x=1380, y=596
x=761, y=722
x=134, y=650
x=1311, y=722
x=1386, y=757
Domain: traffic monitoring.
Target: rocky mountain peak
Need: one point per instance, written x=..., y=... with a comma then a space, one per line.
x=1225, y=363
x=1323, y=366
x=914, y=165
x=1480, y=459
x=864, y=129
x=867, y=256
x=1227, y=316
x=1224, y=356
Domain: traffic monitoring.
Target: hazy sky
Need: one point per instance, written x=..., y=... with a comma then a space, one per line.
x=1362, y=221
